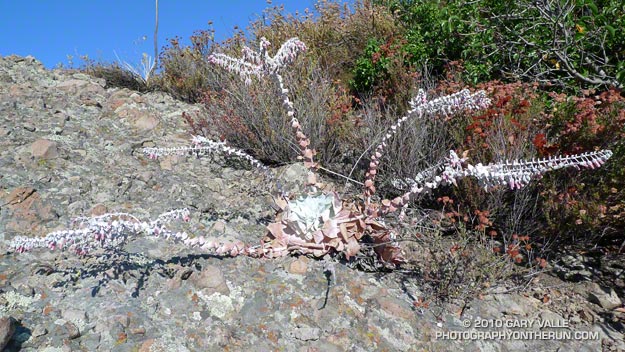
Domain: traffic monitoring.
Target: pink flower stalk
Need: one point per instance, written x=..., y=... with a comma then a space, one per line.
x=513, y=174
x=106, y=231
x=203, y=146
x=421, y=107
x=261, y=64
x=518, y=173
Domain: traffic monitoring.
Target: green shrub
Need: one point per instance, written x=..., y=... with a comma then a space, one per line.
x=586, y=209
x=569, y=44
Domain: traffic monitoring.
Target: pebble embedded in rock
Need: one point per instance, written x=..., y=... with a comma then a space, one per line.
x=44, y=149
x=211, y=279
x=299, y=266
x=39, y=330
x=72, y=330
x=146, y=123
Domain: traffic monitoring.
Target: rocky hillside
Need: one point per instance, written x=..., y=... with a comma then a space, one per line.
x=71, y=146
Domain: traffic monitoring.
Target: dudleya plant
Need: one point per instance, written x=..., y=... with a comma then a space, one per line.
x=309, y=213
x=318, y=222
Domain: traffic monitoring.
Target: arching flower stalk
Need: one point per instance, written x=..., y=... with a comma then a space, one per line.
x=260, y=64
x=513, y=174
x=106, y=231
x=204, y=146
x=420, y=107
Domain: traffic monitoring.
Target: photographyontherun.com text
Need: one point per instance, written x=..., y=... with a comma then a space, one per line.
x=516, y=329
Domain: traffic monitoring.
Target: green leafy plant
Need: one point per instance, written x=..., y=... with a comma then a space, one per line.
x=570, y=44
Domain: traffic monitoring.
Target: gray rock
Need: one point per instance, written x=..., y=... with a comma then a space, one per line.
x=44, y=149
x=306, y=333
x=211, y=279
x=90, y=342
x=604, y=296
x=7, y=329
x=73, y=332
x=39, y=330
x=252, y=312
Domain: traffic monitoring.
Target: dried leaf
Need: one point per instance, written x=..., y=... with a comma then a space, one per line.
x=318, y=236
x=331, y=228
x=281, y=203
x=375, y=226
x=352, y=247
x=338, y=204
x=276, y=229
x=344, y=233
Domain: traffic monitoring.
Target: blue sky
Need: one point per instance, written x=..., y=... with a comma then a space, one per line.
x=50, y=30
